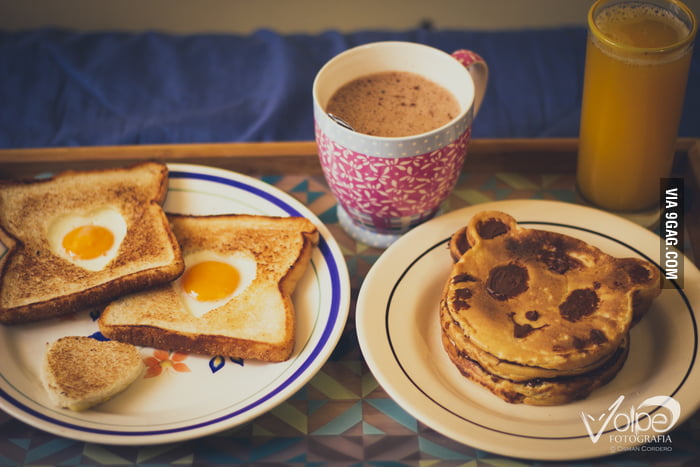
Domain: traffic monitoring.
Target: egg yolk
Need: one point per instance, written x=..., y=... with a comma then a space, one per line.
x=210, y=280
x=88, y=241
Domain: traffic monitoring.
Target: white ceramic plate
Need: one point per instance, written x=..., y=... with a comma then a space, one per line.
x=197, y=395
x=399, y=333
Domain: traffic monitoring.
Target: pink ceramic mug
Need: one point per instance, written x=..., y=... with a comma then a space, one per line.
x=387, y=185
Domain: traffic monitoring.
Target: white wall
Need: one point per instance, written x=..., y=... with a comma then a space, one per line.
x=291, y=16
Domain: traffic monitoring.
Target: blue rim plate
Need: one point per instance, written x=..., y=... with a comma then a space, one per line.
x=399, y=334
x=192, y=396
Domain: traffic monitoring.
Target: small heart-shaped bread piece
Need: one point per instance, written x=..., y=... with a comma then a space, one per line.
x=81, y=372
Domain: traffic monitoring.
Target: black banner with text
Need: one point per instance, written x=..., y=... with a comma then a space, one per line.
x=671, y=231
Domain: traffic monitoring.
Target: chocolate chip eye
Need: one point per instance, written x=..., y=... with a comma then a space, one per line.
x=579, y=303
x=491, y=228
x=507, y=281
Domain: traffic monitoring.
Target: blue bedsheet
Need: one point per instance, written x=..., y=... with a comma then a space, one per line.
x=62, y=88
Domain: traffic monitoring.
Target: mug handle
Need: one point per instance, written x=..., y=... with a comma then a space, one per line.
x=477, y=67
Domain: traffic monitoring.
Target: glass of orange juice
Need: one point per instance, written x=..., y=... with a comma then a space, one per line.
x=637, y=60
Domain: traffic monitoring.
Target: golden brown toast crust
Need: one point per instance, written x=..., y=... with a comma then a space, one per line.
x=525, y=304
x=258, y=323
x=37, y=284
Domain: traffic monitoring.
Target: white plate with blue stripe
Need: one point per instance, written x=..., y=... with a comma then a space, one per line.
x=398, y=328
x=189, y=396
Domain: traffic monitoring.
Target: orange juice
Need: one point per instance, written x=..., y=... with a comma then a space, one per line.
x=637, y=61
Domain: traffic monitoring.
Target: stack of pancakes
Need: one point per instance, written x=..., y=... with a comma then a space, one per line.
x=539, y=317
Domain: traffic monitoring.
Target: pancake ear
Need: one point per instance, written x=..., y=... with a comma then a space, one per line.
x=646, y=284
x=488, y=225
x=482, y=226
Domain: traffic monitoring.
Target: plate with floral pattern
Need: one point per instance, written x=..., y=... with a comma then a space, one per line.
x=184, y=396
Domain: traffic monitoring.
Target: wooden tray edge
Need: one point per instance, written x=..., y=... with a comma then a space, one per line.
x=485, y=155
x=528, y=155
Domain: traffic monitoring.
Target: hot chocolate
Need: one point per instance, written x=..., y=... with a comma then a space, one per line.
x=393, y=104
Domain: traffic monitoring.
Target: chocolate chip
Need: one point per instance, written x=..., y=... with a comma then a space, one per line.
x=533, y=383
x=579, y=303
x=460, y=305
x=558, y=262
x=462, y=244
x=532, y=315
x=464, y=278
x=463, y=294
x=547, y=248
x=507, y=281
x=638, y=273
x=597, y=337
x=491, y=228
x=513, y=397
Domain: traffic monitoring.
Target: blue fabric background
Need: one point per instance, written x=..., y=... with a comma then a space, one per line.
x=62, y=88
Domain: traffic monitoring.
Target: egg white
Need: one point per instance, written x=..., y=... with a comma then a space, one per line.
x=243, y=261
x=106, y=217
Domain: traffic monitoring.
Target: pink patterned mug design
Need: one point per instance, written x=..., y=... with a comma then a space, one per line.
x=387, y=185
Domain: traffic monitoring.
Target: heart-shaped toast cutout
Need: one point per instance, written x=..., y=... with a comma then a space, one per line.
x=90, y=240
x=80, y=372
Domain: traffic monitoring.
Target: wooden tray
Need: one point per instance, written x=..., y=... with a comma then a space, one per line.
x=486, y=155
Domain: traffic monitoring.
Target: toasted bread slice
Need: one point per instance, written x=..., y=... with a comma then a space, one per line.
x=81, y=372
x=256, y=321
x=526, y=304
x=41, y=277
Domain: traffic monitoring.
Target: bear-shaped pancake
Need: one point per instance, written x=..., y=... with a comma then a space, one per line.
x=526, y=304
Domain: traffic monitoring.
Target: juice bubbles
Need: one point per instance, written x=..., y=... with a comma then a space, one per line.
x=637, y=60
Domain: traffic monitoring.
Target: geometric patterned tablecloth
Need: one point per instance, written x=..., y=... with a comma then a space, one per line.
x=342, y=416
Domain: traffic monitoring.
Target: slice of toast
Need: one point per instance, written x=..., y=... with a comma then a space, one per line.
x=40, y=277
x=81, y=372
x=256, y=321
